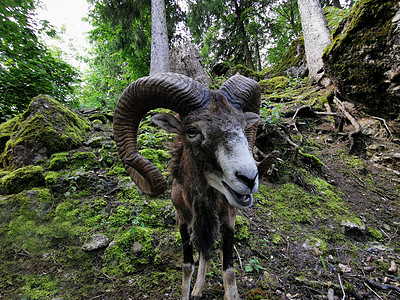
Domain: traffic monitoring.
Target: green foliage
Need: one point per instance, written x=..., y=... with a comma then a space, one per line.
x=27, y=68
x=284, y=23
x=121, y=48
x=227, y=28
x=253, y=265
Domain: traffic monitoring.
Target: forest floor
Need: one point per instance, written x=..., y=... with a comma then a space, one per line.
x=324, y=224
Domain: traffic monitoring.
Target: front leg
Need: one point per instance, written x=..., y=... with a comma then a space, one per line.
x=201, y=277
x=228, y=271
x=188, y=262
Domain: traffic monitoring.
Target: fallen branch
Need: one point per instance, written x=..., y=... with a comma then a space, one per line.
x=382, y=286
x=390, y=138
x=351, y=119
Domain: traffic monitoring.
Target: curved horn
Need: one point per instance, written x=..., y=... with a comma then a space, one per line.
x=164, y=90
x=245, y=94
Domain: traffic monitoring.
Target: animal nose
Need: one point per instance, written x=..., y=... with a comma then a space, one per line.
x=248, y=181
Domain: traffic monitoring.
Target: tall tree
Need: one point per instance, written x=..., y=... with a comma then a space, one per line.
x=27, y=68
x=316, y=37
x=122, y=44
x=283, y=27
x=223, y=27
x=159, y=38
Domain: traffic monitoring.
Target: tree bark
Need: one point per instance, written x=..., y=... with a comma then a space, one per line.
x=159, y=38
x=242, y=30
x=316, y=37
x=336, y=3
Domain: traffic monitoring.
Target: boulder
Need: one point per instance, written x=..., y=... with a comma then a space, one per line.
x=364, y=58
x=185, y=59
x=45, y=128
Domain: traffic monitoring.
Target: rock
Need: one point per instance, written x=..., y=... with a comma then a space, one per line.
x=344, y=268
x=23, y=178
x=185, y=59
x=137, y=248
x=372, y=128
x=94, y=142
x=331, y=294
x=96, y=242
x=393, y=267
x=363, y=60
x=46, y=127
x=316, y=252
x=352, y=227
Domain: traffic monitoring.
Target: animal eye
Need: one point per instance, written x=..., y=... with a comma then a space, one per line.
x=192, y=132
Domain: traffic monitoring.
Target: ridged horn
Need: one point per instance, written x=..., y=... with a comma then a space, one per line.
x=164, y=90
x=244, y=93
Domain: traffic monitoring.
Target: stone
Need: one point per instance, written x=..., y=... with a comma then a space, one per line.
x=363, y=60
x=46, y=127
x=185, y=59
x=352, y=227
x=137, y=248
x=373, y=128
x=96, y=242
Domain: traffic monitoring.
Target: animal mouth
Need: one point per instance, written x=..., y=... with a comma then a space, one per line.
x=240, y=199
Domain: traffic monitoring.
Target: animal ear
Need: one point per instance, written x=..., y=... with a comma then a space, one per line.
x=251, y=119
x=168, y=122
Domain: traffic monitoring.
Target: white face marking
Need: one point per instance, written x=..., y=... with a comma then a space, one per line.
x=240, y=175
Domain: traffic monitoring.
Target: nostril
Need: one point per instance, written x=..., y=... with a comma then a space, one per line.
x=250, y=182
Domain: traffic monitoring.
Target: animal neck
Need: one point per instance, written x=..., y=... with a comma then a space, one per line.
x=204, y=204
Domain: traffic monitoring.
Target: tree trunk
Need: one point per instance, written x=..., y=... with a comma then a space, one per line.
x=336, y=3
x=159, y=38
x=242, y=30
x=258, y=56
x=316, y=38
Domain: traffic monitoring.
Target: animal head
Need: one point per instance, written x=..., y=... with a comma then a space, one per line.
x=217, y=130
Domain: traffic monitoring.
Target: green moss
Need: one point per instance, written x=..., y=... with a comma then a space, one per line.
x=271, y=85
x=84, y=160
x=51, y=178
x=375, y=234
x=58, y=161
x=6, y=131
x=46, y=123
x=242, y=70
x=312, y=160
x=99, y=117
x=295, y=56
x=241, y=228
x=40, y=286
x=120, y=259
x=159, y=158
x=24, y=178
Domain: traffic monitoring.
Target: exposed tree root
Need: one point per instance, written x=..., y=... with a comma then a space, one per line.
x=390, y=138
x=353, y=121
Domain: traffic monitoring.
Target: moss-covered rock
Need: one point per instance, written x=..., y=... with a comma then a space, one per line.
x=242, y=70
x=45, y=128
x=269, y=86
x=6, y=130
x=99, y=117
x=23, y=178
x=292, y=63
x=363, y=58
x=84, y=160
x=58, y=161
